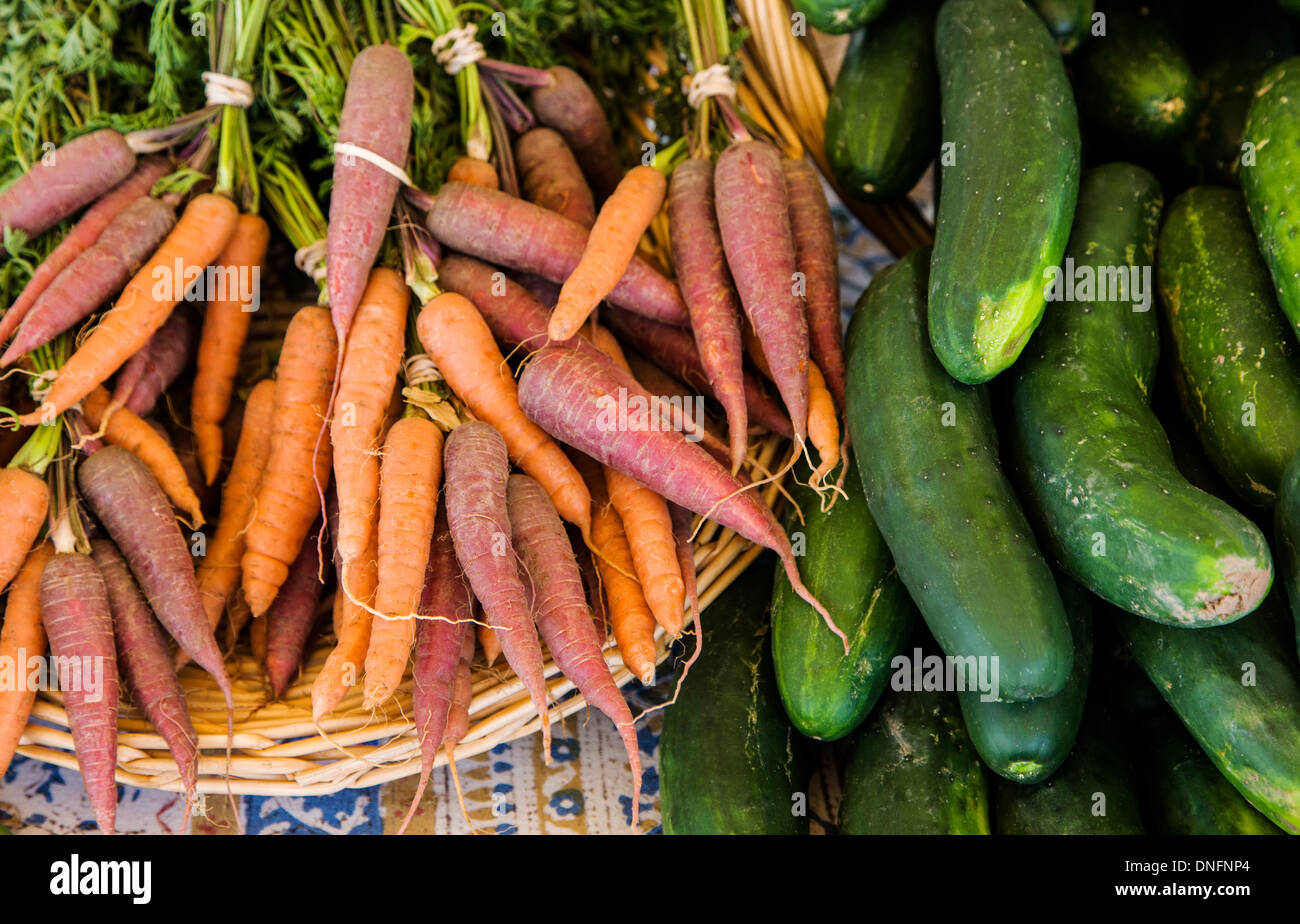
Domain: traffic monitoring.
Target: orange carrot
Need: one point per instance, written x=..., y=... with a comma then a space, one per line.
x=475, y=172
x=121, y=427
x=23, y=637
x=372, y=360
x=622, y=220
x=296, y=474
x=24, y=499
x=225, y=328
x=823, y=428
x=257, y=634
x=342, y=667
x=460, y=344
x=408, y=492
x=197, y=239
x=491, y=645
x=218, y=575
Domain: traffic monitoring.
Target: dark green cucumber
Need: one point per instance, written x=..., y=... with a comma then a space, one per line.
x=1092, y=793
x=882, y=123
x=1272, y=183
x=912, y=770
x=1069, y=21
x=1186, y=794
x=1237, y=690
x=847, y=566
x=729, y=761
x=1095, y=467
x=1136, y=83
x=1010, y=180
x=1234, y=355
x=1286, y=527
x=840, y=16
x=1026, y=742
x=927, y=453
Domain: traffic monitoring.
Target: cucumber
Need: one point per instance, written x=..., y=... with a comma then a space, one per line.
x=1286, y=531
x=882, y=122
x=1092, y=793
x=1135, y=84
x=840, y=16
x=1069, y=21
x=847, y=566
x=1027, y=742
x=1093, y=463
x=1009, y=193
x=1234, y=355
x=927, y=453
x=1237, y=690
x=729, y=761
x=913, y=770
x=1272, y=184
x=1185, y=793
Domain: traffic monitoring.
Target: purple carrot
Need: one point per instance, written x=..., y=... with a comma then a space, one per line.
x=145, y=662
x=686, y=560
x=545, y=291
x=96, y=276
x=497, y=227
x=476, y=466
x=569, y=106
x=559, y=605
x=69, y=177
x=83, y=234
x=706, y=287
x=293, y=613
x=439, y=639
x=377, y=118
x=754, y=220
x=566, y=392
x=591, y=580
x=74, y=609
x=816, y=254
x=550, y=176
x=127, y=500
x=676, y=352
x=152, y=370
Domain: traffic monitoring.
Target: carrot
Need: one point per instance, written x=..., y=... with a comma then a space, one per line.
x=343, y=664
x=69, y=177
x=123, y=428
x=549, y=176
x=510, y=311
x=258, y=631
x=754, y=221
x=84, y=233
x=143, y=307
x=218, y=575
x=629, y=614
x=408, y=491
x=490, y=643
x=559, y=605
x=663, y=385
x=462, y=695
x=567, y=392
x=149, y=373
x=22, y=638
x=460, y=344
x=477, y=466
x=569, y=106
x=816, y=254
x=74, y=609
x=25, y=500
x=295, y=474
x=476, y=172
x=706, y=287
x=610, y=248
x=823, y=428
x=681, y=518
x=95, y=276
x=225, y=328
x=376, y=116
x=371, y=363
x=145, y=662
x=445, y=602
x=543, y=290
x=240, y=615
x=127, y=500
x=495, y=226
x=293, y=613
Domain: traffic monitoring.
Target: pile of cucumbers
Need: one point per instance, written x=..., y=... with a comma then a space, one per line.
x=1075, y=465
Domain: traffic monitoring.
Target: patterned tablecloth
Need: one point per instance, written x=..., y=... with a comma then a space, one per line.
x=508, y=790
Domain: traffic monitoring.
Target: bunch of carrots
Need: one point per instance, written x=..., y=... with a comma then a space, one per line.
x=434, y=461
